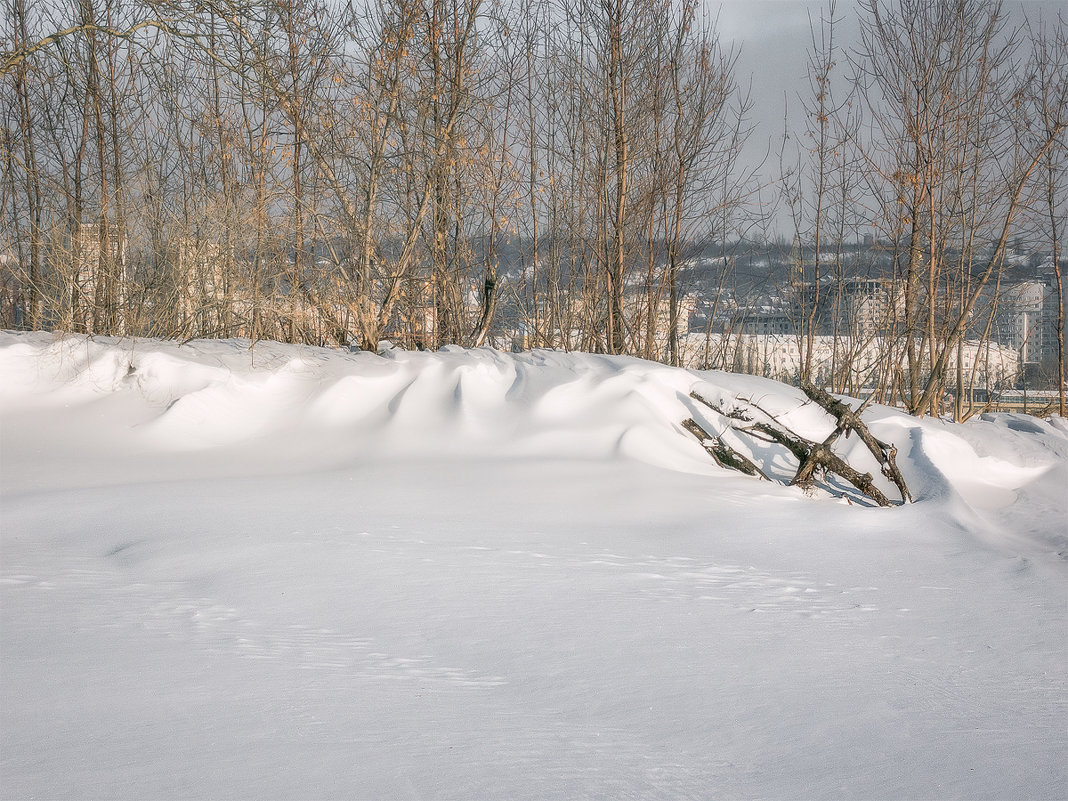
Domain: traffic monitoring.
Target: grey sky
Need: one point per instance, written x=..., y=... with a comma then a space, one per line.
x=774, y=37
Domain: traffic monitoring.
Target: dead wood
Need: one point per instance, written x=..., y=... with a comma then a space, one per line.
x=849, y=420
x=814, y=459
x=817, y=457
x=734, y=414
x=724, y=454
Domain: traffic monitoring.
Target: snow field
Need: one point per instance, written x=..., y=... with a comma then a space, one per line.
x=288, y=572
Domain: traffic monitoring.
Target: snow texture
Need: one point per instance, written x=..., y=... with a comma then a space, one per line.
x=281, y=572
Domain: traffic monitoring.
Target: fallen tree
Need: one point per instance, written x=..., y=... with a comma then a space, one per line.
x=814, y=459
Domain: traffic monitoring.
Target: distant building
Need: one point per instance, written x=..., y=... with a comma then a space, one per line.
x=1047, y=347
x=763, y=321
x=864, y=306
x=1025, y=303
x=854, y=306
x=97, y=277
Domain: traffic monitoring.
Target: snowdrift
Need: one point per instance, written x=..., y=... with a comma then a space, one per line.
x=296, y=407
x=285, y=572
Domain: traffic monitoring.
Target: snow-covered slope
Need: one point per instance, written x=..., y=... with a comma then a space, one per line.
x=288, y=572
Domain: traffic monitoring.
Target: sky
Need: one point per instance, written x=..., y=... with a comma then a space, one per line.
x=773, y=38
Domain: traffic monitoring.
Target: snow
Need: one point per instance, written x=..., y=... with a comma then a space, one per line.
x=287, y=572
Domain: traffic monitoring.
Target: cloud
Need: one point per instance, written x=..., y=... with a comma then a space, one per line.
x=755, y=20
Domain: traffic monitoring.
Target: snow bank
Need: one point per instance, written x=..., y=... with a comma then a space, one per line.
x=314, y=408
x=286, y=572
x=207, y=395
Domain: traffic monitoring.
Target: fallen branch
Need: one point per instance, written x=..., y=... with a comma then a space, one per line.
x=724, y=454
x=849, y=420
x=734, y=414
x=814, y=459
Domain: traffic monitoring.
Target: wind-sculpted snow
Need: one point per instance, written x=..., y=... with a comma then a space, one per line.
x=319, y=408
x=206, y=395
x=271, y=571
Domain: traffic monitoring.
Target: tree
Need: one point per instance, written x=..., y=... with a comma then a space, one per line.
x=939, y=81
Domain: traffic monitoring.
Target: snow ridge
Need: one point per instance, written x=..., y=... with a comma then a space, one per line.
x=324, y=407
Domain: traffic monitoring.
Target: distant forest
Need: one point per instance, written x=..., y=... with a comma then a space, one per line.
x=533, y=173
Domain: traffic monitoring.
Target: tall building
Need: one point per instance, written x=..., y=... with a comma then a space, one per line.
x=1024, y=305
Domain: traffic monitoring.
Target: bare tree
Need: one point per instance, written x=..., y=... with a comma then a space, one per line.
x=954, y=168
x=1044, y=99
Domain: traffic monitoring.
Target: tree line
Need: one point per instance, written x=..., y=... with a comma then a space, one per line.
x=443, y=171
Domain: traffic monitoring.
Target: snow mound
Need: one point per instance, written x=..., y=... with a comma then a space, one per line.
x=298, y=407
x=471, y=574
